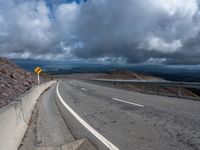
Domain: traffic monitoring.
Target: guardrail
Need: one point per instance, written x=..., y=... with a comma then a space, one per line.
x=179, y=86
x=15, y=117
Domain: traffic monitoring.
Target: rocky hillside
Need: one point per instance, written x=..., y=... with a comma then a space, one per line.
x=13, y=81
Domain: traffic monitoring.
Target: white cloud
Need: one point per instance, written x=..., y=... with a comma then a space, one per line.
x=34, y=23
x=173, y=7
x=67, y=12
x=157, y=44
x=156, y=60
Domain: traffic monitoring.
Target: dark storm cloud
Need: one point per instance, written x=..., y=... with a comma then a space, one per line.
x=137, y=30
x=132, y=31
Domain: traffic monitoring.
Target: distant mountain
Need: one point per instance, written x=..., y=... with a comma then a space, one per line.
x=189, y=73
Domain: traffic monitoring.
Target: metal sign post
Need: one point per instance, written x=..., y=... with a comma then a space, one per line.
x=38, y=70
x=38, y=78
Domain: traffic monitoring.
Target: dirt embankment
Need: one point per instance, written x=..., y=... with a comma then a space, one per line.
x=128, y=75
x=13, y=81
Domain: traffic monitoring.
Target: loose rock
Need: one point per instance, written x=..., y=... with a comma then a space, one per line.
x=14, y=81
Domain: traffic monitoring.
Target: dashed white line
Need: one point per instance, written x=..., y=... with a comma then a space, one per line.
x=116, y=99
x=83, y=89
x=107, y=143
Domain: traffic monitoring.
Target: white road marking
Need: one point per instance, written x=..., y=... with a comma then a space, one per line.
x=116, y=99
x=83, y=89
x=107, y=143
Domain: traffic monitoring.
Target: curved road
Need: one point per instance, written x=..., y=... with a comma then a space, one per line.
x=119, y=119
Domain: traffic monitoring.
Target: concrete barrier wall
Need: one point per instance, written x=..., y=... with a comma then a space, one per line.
x=14, y=118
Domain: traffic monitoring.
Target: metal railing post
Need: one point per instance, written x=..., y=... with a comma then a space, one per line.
x=179, y=92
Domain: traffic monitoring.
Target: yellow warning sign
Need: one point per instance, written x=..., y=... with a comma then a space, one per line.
x=38, y=70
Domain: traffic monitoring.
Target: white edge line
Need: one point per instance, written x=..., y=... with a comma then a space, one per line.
x=83, y=89
x=128, y=102
x=107, y=143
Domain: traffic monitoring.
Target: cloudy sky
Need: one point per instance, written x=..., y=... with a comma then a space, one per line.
x=123, y=31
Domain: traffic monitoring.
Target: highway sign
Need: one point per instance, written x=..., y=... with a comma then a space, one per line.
x=38, y=70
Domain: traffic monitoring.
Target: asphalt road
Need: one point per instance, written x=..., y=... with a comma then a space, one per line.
x=119, y=119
